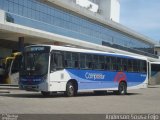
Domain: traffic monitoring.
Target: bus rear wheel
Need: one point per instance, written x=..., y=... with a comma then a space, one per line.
x=70, y=90
x=122, y=88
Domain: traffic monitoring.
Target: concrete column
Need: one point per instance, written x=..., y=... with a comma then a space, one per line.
x=2, y=16
x=21, y=44
x=109, y=9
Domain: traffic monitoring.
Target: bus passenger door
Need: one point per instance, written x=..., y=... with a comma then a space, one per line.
x=56, y=71
x=56, y=61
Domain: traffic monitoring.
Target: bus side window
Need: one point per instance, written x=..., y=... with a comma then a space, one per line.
x=53, y=65
x=107, y=65
x=143, y=67
x=82, y=61
x=75, y=60
x=89, y=63
x=130, y=65
x=119, y=64
x=101, y=62
x=68, y=59
x=114, y=64
x=71, y=60
x=135, y=65
x=124, y=64
x=138, y=65
x=95, y=62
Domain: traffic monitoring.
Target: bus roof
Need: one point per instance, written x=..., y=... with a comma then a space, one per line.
x=84, y=50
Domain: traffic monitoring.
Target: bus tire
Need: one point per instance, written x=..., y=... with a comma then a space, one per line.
x=70, y=89
x=122, y=88
x=46, y=94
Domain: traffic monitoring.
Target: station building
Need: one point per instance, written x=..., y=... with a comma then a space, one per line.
x=94, y=25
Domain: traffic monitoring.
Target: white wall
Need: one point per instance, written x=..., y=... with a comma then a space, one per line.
x=115, y=10
x=88, y=5
x=110, y=9
x=107, y=9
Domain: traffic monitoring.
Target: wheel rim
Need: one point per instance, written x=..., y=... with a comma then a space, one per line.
x=71, y=90
x=122, y=89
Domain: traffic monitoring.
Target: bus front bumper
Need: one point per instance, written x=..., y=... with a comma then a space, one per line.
x=29, y=87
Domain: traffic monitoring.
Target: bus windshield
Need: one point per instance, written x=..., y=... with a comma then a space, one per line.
x=35, y=63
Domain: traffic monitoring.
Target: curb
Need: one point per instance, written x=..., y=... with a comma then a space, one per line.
x=7, y=86
x=4, y=91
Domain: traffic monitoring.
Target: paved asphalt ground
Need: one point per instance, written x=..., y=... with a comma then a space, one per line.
x=139, y=101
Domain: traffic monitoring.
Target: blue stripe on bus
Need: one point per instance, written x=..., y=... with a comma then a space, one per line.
x=94, y=79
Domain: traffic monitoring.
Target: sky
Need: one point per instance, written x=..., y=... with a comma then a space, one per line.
x=142, y=16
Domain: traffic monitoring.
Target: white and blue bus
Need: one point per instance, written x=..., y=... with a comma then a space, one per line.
x=48, y=68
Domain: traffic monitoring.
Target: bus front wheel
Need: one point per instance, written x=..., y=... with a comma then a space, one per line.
x=122, y=88
x=70, y=89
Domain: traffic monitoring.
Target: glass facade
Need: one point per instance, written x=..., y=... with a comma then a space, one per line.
x=35, y=14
